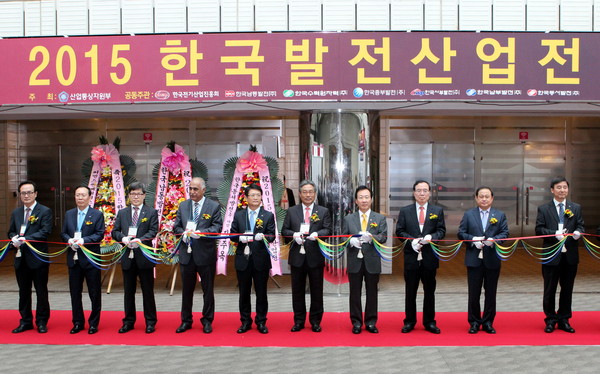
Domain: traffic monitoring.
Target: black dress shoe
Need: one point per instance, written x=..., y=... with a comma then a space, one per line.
x=408, y=327
x=297, y=327
x=150, y=329
x=244, y=328
x=125, y=328
x=474, y=329
x=549, y=327
x=316, y=328
x=76, y=328
x=22, y=328
x=184, y=327
x=432, y=328
x=356, y=329
x=262, y=328
x=207, y=328
x=372, y=329
x=565, y=326
x=42, y=329
x=487, y=327
x=92, y=330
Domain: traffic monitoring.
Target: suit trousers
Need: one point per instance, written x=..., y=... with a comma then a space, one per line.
x=94, y=284
x=146, y=277
x=371, y=283
x=563, y=274
x=207, y=281
x=245, y=280
x=315, y=281
x=412, y=278
x=27, y=277
x=477, y=277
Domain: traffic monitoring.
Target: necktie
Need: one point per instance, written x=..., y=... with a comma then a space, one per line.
x=252, y=220
x=421, y=215
x=306, y=215
x=561, y=213
x=196, y=212
x=363, y=223
x=80, y=218
x=27, y=215
x=484, y=219
x=134, y=220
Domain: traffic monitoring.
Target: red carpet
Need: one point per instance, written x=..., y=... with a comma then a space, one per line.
x=514, y=328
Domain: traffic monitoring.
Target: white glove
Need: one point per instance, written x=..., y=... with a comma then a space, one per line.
x=576, y=235
x=366, y=237
x=416, y=246
x=135, y=243
x=489, y=242
x=73, y=244
x=259, y=236
x=559, y=235
x=355, y=242
x=126, y=240
x=426, y=239
x=193, y=235
x=313, y=236
x=185, y=238
x=243, y=238
x=298, y=238
x=16, y=242
x=477, y=241
x=79, y=241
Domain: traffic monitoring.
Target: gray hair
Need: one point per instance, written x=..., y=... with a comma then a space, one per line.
x=307, y=182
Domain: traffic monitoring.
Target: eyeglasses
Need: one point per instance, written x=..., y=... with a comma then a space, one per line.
x=81, y=195
x=307, y=192
x=254, y=195
x=136, y=194
x=26, y=193
x=421, y=191
x=194, y=189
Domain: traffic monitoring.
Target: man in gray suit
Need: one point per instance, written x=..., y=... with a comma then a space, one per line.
x=363, y=260
x=197, y=255
x=482, y=226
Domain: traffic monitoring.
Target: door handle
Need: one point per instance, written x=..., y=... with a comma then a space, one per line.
x=527, y=205
x=518, y=205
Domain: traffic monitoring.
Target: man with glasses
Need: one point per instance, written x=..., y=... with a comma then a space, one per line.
x=31, y=222
x=84, y=226
x=197, y=254
x=422, y=223
x=305, y=223
x=137, y=224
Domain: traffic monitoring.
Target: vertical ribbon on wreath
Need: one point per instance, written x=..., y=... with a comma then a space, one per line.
x=102, y=156
x=176, y=163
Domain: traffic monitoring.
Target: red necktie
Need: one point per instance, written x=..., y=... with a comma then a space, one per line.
x=307, y=215
x=134, y=220
x=421, y=215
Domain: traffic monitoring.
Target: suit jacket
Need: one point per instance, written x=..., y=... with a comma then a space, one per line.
x=408, y=227
x=146, y=232
x=260, y=256
x=547, y=224
x=92, y=231
x=377, y=226
x=40, y=230
x=470, y=227
x=322, y=226
x=204, y=250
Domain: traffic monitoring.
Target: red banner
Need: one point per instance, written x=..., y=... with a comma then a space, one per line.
x=301, y=67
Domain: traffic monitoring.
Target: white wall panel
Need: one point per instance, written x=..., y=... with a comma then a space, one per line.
x=72, y=17
x=339, y=15
x=509, y=15
x=475, y=15
x=11, y=19
x=407, y=15
x=48, y=21
x=305, y=15
x=542, y=15
x=203, y=16
x=33, y=20
x=137, y=16
x=576, y=15
x=373, y=14
x=237, y=15
x=596, y=15
x=170, y=16
x=105, y=16
x=441, y=15
x=271, y=15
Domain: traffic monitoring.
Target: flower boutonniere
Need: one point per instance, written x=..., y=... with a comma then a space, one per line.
x=493, y=221
x=433, y=216
x=33, y=219
x=206, y=216
x=373, y=224
x=259, y=223
x=145, y=219
x=568, y=213
x=88, y=223
x=314, y=217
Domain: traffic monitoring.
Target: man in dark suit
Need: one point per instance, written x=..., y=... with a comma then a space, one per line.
x=137, y=224
x=32, y=221
x=83, y=225
x=252, y=258
x=304, y=223
x=482, y=226
x=422, y=223
x=197, y=255
x=559, y=218
x=364, y=263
